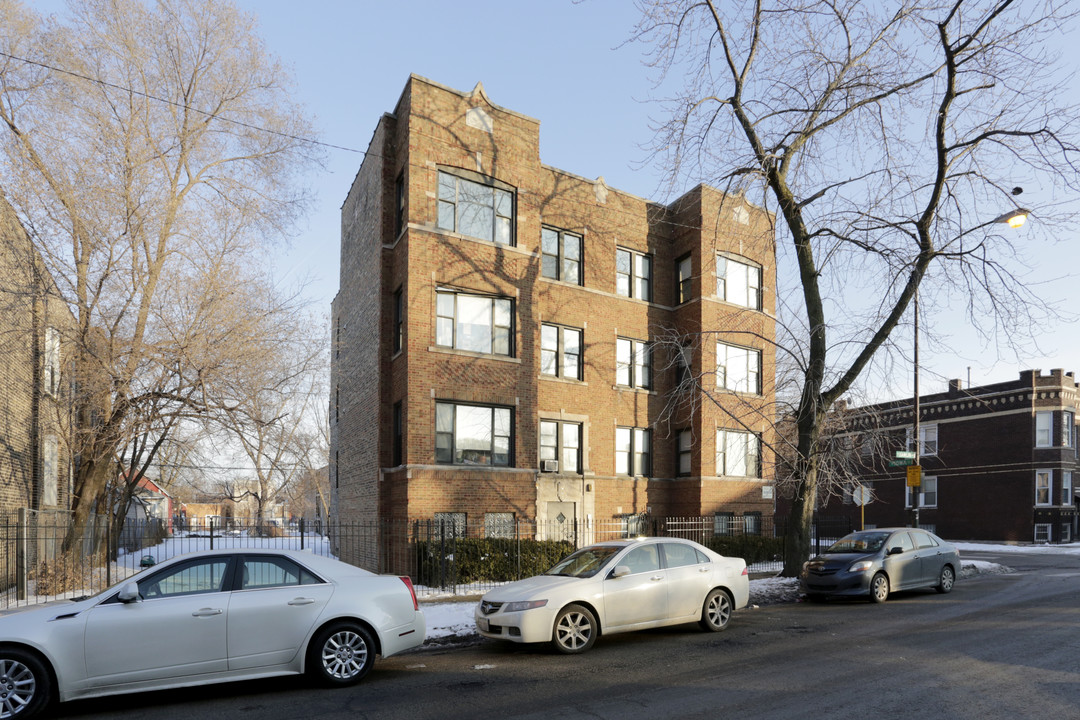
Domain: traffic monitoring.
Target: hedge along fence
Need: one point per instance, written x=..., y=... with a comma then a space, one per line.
x=754, y=549
x=467, y=561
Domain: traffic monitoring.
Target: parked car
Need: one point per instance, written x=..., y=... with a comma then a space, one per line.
x=615, y=587
x=204, y=618
x=878, y=562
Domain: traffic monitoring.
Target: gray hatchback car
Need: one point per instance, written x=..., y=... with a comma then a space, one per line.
x=878, y=562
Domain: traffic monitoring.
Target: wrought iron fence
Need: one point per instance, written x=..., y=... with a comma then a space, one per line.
x=444, y=557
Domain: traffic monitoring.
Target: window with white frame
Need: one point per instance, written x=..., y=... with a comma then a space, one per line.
x=499, y=525
x=1044, y=429
x=51, y=377
x=1068, y=428
x=476, y=208
x=633, y=363
x=561, y=441
x=473, y=434
x=928, y=440
x=686, y=444
x=477, y=323
x=1066, y=488
x=633, y=274
x=560, y=255
x=928, y=492
x=51, y=471
x=1043, y=486
x=1066, y=532
x=738, y=453
x=684, y=277
x=451, y=524
x=633, y=451
x=738, y=282
x=1042, y=533
x=560, y=351
x=738, y=369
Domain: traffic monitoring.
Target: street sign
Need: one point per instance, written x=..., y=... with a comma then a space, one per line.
x=906, y=454
x=861, y=495
x=900, y=463
x=914, y=475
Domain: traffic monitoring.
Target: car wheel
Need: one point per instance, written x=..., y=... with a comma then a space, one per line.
x=575, y=630
x=716, y=611
x=25, y=685
x=946, y=581
x=341, y=654
x=879, y=588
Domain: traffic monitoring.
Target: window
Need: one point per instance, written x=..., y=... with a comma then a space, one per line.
x=399, y=204
x=472, y=434
x=1068, y=428
x=738, y=369
x=1066, y=532
x=681, y=555
x=190, y=578
x=631, y=525
x=268, y=572
x=561, y=255
x=477, y=323
x=633, y=274
x=686, y=441
x=1066, y=489
x=633, y=363
x=399, y=436
x=399, y=319
x=560, y=351
x=51, y=376
x=633, y=451
x=1044, y=429
x=476, y=209
x=1043, y=484
x=499, y=525
x=751, y=523
x=642, y=559
x=1042, y=533
x=450, y=524
x=684, y=277
x=927, y=493
x=928, y=438
x=51, y=471
x=724, y=523
x=561, y=441
x=738, y=282
x=737, y=453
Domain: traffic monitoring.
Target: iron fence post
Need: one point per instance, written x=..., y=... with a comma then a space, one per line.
x=20, y=554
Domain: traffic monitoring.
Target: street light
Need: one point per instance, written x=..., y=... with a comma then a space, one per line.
x=1014, y=218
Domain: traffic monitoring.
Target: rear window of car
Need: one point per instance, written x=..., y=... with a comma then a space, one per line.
x=678, y=555
x=924, y=540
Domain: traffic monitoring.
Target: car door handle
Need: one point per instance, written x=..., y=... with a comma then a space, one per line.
x=301, y=601
x=207, y=612
x=655, y=578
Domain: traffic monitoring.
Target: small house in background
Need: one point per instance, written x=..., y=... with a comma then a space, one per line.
x=158, y=502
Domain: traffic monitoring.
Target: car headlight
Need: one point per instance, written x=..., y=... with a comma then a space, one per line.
x=523, y=605
x=861, y=566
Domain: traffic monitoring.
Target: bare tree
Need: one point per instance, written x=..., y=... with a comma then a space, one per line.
x=886, y=138
x=151, y=153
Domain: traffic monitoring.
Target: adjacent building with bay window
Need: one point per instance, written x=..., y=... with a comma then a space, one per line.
x=515, y=342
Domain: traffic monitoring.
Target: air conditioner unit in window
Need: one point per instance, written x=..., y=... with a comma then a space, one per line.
x=549, y=466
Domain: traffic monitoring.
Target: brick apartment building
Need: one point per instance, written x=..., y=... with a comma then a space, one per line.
x=998, y=461
x=34, y=469
x=509, y=338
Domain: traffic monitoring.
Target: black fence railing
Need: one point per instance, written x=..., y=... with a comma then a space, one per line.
x=443, y=557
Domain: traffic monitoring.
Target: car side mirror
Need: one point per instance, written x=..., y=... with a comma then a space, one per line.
x=129, y=593
x=619, y=571
x=895, y=550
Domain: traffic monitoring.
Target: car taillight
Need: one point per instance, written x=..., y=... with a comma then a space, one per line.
x=745, y=570
x=412, y=591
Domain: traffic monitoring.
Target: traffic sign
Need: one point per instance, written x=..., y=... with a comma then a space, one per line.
x=906, y=454
x=900, y=463
x=861, y=495
x=914, y=475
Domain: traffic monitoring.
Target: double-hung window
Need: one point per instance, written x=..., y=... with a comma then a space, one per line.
x=1066, y=489
x=560, y=351
x=478, y=323
x=738, y=453
x=1044, y=483
x=738, y=369
x=738, y=282
x=633, y=451
x=476, y=208
x=633, y=363
x=561, y=441
x=928, y=491
x=684, y=277
x=928, y=440
x=473, y=434
x=686, y=445
x=633, y=274
x=51, y=377
x=1044, y=429
x=1068, y=428
x=560, y=255
x=399, y=319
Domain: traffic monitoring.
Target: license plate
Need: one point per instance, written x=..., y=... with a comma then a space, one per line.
x=482, y=623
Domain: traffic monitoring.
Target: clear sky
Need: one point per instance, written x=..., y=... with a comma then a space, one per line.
x=566, y=64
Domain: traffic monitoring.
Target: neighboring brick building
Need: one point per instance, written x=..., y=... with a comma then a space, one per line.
x=998, y=460
x=34, y=409
x=506, y=334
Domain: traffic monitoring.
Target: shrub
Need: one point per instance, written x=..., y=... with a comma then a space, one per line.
x=751, y=548
x=464, y=561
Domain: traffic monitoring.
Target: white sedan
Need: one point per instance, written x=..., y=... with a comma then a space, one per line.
x=614, y=587
x=205, y=618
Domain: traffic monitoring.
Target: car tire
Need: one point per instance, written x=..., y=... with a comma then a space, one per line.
x=716, y=611
x=946, y=580
x=575, y=630
x=341, y=655
x=879, y=588
x=25, y=684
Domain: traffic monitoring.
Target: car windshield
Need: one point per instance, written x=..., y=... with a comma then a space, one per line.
x=862, y=542
x=585, y=562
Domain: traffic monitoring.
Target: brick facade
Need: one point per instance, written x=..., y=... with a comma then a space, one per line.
x=393, y=247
